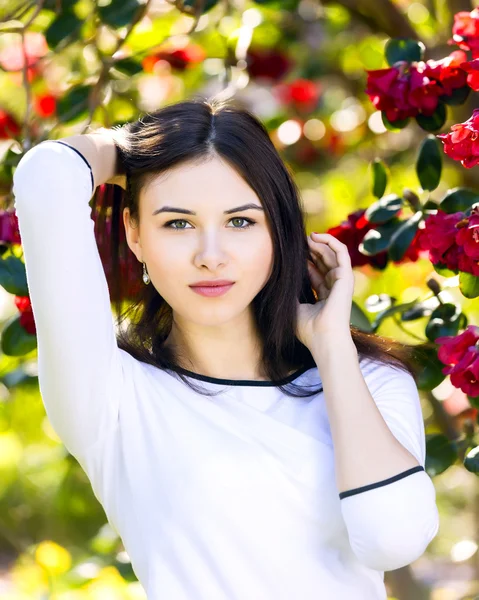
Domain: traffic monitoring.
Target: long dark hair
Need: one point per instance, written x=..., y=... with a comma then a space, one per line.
x=194, y=131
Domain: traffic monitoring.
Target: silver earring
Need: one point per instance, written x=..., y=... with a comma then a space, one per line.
x=146, y=277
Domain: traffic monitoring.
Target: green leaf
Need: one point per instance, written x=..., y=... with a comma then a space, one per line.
x=15, y=340
x=394, y=125
x=13, y=276
x=440, y=454
x=64, y=26
x=458, y=96
x=404, y=49
x=430, y=205
x=379, y=177
x=444, y=320
x=119, y=12
x=403, y=236
x=458, y=199
x=393, y=310
x=435, y=121
x=468, y=284
x=471, y=460
x=441, y=269
x=378, y=239
x=128, y=66
x=416, y=312
x=429, y=164
x=430, y=374
x=384, y=209
x=359, y=318
x=74, y=104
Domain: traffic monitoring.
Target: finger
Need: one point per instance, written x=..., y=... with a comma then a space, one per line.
x=317, y=261
x=341, y=250
x=327, y=254
x=318, y=281
x=319, y=253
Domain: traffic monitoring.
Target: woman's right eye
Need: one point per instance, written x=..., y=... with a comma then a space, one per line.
x=175, y=221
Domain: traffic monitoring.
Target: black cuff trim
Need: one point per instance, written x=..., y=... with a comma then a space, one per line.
x=371, y=486
x=81, y=155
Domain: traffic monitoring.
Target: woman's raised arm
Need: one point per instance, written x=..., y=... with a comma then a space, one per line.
x=79, y=363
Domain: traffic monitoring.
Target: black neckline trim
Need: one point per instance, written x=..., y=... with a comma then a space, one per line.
x=242, y=382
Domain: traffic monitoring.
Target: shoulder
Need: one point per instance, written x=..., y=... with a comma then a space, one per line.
x=376, y=370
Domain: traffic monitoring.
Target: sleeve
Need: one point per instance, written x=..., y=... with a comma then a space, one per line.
x=391, y=522
x=79, y=362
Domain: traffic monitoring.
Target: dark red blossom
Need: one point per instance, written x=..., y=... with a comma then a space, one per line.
x=44, y=105
x=406, y=90
x=352, y=231
x=27, y=320
x=267, y=63
x=466, y=31
x=178, y=58
x=449, y=72
x=461, y=355
x=9, y=126
x=9, y=231
x=462, y=142
x=453, y=240
x=301, y=93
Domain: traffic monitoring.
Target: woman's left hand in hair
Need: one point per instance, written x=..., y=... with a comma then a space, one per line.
x=333, y=280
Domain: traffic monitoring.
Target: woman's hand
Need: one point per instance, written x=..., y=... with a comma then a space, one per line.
x=333, y=280
x=114, y=135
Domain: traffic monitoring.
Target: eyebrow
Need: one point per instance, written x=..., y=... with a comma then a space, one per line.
x=184, y=211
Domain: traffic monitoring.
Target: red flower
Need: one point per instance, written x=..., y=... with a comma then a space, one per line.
x=461, y=354
x=439, y=237
x=9, y=231
x=424, y=91
x=179, y=58
x=472, y=69
x=449, y=72
x=9, y=127
x=351, y=232
x=467, y=238
x=302, y=93
x=405, y=90
x=27, y=320
x=388, y=90
x=462, y=143
x=466, y=31
x=453, y=240
x=45, y=105
x=267, y=64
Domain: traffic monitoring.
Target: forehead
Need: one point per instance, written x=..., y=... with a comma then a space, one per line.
x=190, y=184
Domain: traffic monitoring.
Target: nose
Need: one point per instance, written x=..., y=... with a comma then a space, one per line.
x=211, y=250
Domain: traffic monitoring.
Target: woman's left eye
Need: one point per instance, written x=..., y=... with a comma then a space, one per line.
x=249, y=222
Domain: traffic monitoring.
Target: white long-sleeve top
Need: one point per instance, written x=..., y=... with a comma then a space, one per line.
x=230, y=497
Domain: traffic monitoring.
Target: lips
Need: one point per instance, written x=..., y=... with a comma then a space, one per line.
x=218, y=283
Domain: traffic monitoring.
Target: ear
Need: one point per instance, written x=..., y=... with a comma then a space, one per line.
x=132, y=233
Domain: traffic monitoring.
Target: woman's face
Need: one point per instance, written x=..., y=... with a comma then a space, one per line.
x=180, y=249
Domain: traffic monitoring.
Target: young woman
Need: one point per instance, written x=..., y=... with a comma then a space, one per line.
x=245, y=441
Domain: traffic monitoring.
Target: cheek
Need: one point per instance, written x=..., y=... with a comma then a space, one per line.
x=257, y=258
